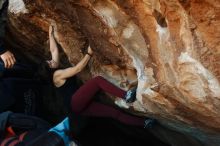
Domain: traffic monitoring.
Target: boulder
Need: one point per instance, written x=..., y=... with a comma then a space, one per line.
x=169, y=48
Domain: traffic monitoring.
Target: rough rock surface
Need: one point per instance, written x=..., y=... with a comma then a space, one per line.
x=169, y=48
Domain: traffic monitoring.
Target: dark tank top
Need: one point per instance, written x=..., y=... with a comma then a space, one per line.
x=57, y=94
x=67, y=90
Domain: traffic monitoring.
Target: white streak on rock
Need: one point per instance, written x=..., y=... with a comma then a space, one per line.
x=163, y=32
x=139, y=67
x=142, y=78
x=200, y=70
x=150, y=93
x=17, y=6
x=108, y=16
x=121, y=103
x=127, y=32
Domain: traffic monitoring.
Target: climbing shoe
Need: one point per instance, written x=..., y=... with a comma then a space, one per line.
x=131, y=95
x=149, y=123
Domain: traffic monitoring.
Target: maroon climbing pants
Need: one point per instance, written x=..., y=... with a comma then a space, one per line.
x=83, y=102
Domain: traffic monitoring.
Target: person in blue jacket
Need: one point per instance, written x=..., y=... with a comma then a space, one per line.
x=22, y=130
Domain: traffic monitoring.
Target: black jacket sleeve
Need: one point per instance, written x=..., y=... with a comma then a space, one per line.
x=3, y=20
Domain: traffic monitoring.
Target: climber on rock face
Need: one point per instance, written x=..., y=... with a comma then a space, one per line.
x=81, y=100
x=23, y=80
